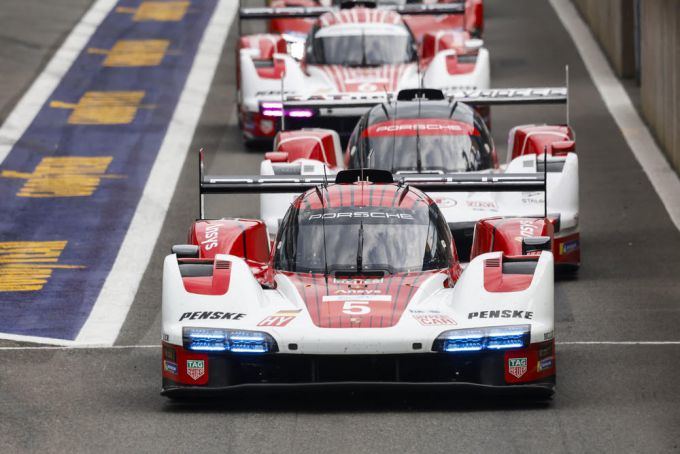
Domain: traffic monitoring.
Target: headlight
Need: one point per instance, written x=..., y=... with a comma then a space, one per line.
x=228, y=340
x=476, y=339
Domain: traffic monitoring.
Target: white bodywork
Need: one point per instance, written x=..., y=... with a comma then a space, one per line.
x=246, y=296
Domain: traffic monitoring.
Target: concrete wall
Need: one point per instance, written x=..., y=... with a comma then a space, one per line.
x=612, y=24
x=660, y=73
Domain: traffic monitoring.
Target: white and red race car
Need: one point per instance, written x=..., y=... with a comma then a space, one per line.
x=426, y=133
x=350, y=54
x=363, y=286
x=472, y=20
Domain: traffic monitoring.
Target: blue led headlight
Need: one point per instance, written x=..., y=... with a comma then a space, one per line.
x=228, y=340
x=476, y=339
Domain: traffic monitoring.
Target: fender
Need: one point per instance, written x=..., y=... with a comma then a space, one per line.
x=512, y=236
x=245, y=238
x=438, y=73
x=530, y=304
x=315, y=144
x=533, y=139
x=243, y=296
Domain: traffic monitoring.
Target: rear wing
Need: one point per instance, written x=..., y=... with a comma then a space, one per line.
x=489, y=97
x=457, y=182
x=291, y=12
x=356, y=104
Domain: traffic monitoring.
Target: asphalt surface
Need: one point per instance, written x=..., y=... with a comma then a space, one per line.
x=610, y=397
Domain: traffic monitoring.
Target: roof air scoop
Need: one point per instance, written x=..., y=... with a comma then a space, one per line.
x=347, y=4
x=373, y=175
x=426, y=94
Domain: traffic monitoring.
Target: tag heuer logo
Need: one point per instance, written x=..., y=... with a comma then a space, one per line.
x=196, y=368
x=517, y=366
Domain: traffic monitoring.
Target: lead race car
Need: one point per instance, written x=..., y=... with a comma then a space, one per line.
x=358, y=52
x=426, y=132
x=362, y=286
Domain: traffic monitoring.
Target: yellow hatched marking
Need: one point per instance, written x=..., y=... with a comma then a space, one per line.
x=130, y=53
x=103, y=107
x=157, y=11
x=27, y=265
x=63, y=177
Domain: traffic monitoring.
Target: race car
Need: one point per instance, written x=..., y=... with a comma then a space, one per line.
x=426, y=132
x=472, y=20
x=362, y=286
x=350, y=54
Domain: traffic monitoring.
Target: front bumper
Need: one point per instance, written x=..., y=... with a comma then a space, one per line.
x=486, y=371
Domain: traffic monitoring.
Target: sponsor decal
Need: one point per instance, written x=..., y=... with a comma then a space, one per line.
x=544, y=364
x=507, y=313
x=445, y=202
x=546, y=351
x=434, y=319
x=211, y=234
x=517, y=367
x=169, y=366
x=362, y=214
x=423, y=127
x=481, y=205
x=358, y=281
x=528, y=228
x=360, y=291
x=568, y=246
x=532, y=197
x=195, y=368
x=280, y=318
x=170, y=354
x=266, y=126
x=209, y=315
x=330, y=298
x=549, y=335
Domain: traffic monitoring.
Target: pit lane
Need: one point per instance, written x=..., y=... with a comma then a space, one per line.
x=610, y=397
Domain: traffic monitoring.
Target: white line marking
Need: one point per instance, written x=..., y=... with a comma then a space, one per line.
x=37, y=340
x=664, y=180
x=119, y=290
x=75, y=346
x=35, y=97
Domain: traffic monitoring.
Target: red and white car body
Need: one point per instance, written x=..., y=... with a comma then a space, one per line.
x=472, y=20
x=362, y=285
x=388, y=133
x=349, y=55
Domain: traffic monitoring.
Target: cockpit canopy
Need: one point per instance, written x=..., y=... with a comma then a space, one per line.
x=426, y=136
x=363, y=228
x=360, y=43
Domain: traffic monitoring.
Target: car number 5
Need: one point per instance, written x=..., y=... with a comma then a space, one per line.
x=356, y=307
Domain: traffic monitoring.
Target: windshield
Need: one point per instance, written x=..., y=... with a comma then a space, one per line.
x=366, y=45
x=423, y=145
x=364, y=239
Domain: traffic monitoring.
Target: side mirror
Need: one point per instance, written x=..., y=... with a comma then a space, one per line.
x=562, y=148
x=277, y=156
x=185, y=251
x=474, y=44
x=535, y=244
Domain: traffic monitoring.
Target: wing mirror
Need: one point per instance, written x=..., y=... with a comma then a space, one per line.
x=185, y=251
x=563, y=147
x=276, y=156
